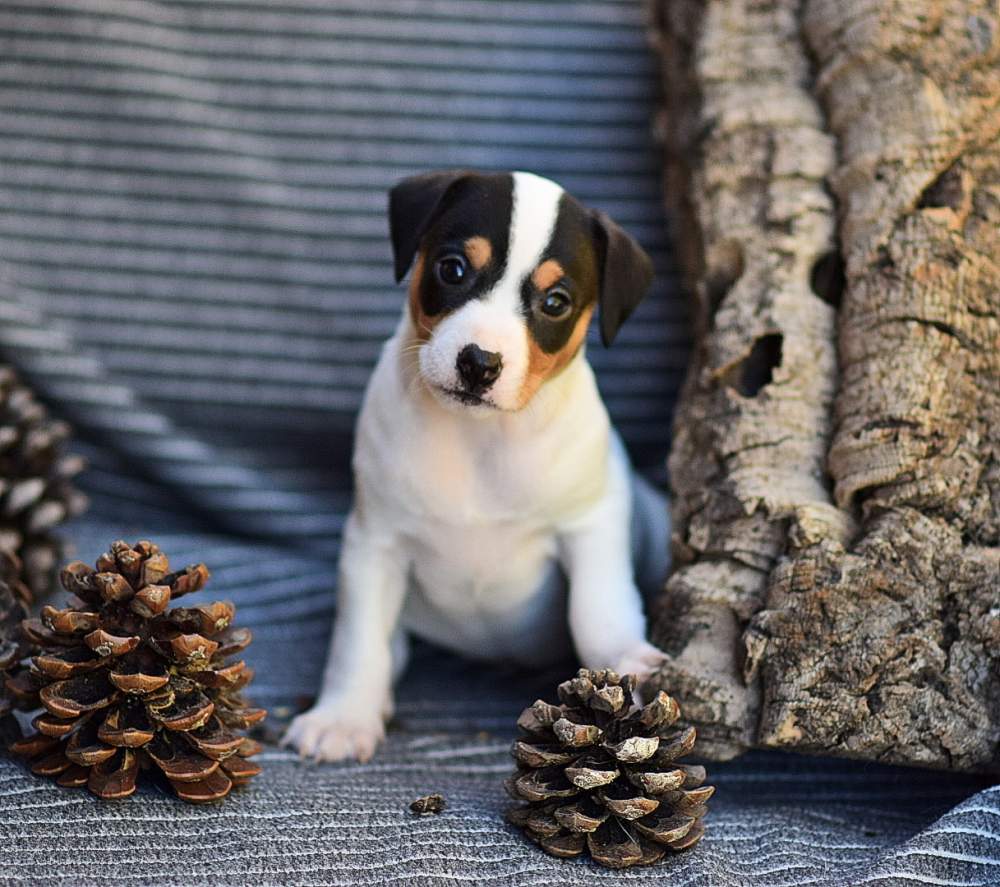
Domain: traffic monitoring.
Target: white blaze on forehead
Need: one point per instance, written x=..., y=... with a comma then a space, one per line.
x=536, y=207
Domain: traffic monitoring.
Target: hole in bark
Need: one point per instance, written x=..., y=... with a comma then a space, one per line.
x=725, y=267
x=828, y=483
x=828, y=278
x=673, y=625
x=756, y=369
x=949, y=630
x=874, y=703
x=945, y=190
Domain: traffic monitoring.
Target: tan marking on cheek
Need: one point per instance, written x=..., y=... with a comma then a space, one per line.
x=423, y=325
x=543, y=366
x=478, y=251
x=546, y=274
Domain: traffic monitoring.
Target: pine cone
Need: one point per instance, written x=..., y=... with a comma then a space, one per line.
x=129, y=684
x=600, y=774
x=13, y=647
x=36, y=489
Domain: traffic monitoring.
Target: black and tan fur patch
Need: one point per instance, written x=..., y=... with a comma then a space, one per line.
x=569, y=260
x=475, y=222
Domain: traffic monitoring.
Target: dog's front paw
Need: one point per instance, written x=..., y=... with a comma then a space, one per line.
x=643, y=660
x=335, y=732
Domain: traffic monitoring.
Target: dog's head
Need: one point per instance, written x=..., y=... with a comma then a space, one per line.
x=507, y=271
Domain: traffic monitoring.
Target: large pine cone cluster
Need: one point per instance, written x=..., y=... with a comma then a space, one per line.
x=129, y=684
x=36, y=482
x=602, y=775
x=13, y=647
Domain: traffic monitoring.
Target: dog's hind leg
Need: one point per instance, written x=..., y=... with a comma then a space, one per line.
x=399, y=645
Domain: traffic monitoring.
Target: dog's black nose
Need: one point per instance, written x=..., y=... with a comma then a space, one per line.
x=478, y=369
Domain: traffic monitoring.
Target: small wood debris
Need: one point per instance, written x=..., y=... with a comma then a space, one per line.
x=429, y=804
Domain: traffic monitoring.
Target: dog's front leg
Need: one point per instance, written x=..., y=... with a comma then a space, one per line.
x=348, y=719
x=606, y=618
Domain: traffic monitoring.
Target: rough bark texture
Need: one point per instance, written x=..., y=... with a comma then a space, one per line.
x=837, y=533
x=747, y=162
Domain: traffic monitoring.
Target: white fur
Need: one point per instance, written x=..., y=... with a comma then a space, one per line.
x=468, y=520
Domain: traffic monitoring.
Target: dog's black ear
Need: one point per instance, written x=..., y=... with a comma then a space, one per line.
x=413, y=203
x=625, y=273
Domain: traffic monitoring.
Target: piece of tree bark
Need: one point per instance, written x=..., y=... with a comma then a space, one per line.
x=747, y=160
x=879, y=627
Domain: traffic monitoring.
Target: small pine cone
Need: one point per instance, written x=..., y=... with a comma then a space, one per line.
x=602, y=775
x=13, y=646
x=36, y=482
x=129, y=684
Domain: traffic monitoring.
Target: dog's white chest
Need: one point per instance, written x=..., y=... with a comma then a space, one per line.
x=475, y=506
x=494, y=590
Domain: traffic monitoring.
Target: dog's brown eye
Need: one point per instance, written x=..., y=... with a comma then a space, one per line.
x=556, y=303
x=452, y=270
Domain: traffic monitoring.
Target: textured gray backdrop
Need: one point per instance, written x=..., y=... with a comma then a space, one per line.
x=194, y=268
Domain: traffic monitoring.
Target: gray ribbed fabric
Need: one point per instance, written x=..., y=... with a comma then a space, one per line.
x=193, y=215
x=194, y=268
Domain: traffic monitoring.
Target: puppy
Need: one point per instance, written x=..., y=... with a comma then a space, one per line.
x=495, y=511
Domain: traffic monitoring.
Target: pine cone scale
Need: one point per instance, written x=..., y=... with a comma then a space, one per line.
x=590, y=772
x=664, y=828
x=34, y=746
x=235, y=676
x=215, y=740
x=625, y=801
x=22, y=689
x=565, y=845
x=694, y=835
x=105, y=644
x=150, y=601
x=242, y=718
x=635, y=749
x=688, y=800
x=85, y=747
x=139, y=678
x=78, y=695
x=8, y=653
x=69, y=622
x=213, y=788
x=68, y=663
x=541, y=755
x=36, y=633
x=232, y=641
x=676, y=746
x=115, y=777
x=22, y=494
x=655, y=782
x=126, y=726
x=74, y=777
x=239, y=769
x=180, y=764
x=576, y=735
x=582, y=816
x=51, y=765
x=615, y=846
x=45, y=516
x=57, y=728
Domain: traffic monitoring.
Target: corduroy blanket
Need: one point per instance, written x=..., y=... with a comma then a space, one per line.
x=194, y=269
